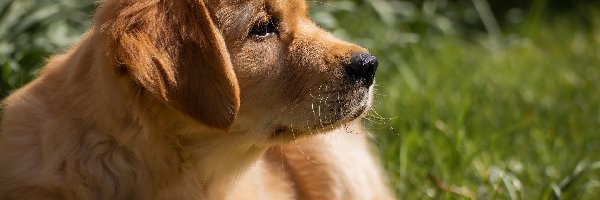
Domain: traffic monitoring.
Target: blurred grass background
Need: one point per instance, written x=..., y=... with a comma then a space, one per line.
x=477, y=99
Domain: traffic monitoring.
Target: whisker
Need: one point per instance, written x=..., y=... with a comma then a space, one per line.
x=305, y=155
x=368, y=117
x=281, y=153
x=374, y=139
x=381, y=121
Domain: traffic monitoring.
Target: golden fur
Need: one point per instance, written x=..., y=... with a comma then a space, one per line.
x=173, y=99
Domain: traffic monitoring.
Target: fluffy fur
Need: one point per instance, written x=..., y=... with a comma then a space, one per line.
x=174, y=99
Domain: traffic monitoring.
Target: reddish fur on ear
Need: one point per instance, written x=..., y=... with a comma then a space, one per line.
x=175, y=51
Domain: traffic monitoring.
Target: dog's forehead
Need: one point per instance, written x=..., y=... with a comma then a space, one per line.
x=234, y=15
x=278, y=6
x=288, y=6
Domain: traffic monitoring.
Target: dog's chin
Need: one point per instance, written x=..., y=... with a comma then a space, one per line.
x=353, y=111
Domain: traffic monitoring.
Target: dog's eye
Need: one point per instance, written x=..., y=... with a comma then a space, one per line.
x=263, y=28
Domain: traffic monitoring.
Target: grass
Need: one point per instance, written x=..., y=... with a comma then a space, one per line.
x=460, y=113
x=510, y=117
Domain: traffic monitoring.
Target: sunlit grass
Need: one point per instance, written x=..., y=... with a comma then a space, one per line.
x=514, y=117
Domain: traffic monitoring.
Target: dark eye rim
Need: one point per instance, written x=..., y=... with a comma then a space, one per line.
x=264, y=28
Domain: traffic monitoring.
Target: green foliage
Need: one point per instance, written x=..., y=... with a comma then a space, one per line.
x=468, y=113
x=30, y=30
x=470, y=104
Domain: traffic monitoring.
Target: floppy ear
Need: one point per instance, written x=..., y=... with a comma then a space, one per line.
x=175, y=51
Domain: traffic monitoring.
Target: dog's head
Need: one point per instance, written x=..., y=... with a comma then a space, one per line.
x=261, y=65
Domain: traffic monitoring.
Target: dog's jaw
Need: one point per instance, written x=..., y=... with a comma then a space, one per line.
x=349, y=111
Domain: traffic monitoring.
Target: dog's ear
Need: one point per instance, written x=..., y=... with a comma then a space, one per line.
x=175, y=51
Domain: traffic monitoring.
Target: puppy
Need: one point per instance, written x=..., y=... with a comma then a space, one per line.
x=194, y=99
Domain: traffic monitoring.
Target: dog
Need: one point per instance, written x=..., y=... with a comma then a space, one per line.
x=195, y=99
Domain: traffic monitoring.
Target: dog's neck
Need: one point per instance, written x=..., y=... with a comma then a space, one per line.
x=168, y=152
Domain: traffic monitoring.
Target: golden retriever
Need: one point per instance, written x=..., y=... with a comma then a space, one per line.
x=194, y=99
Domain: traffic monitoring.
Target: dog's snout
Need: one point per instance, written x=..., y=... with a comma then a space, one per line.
x=362, y=67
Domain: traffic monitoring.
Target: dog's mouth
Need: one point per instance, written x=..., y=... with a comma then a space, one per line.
x=285, y=133
x=328, y=112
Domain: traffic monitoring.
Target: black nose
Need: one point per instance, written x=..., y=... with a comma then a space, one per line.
x=362, y=67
